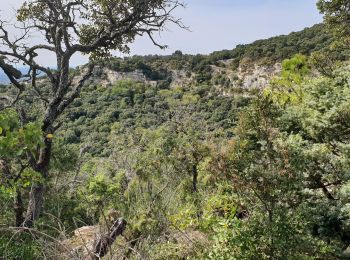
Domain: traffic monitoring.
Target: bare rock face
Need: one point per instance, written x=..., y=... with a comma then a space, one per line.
x=105, y=76
x=180, y=78
x=258, y=76
x=247, y=76
x=93, y=242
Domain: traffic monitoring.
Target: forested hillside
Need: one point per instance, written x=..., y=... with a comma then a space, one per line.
x=208, y=87
x=240, y=154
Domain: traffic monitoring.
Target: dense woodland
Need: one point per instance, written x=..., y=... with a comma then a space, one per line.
x=201, y=169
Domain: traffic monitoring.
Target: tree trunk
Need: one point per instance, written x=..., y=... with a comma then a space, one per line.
x=195, y=190
x=18, y=208
x=36, y=195
x=36, y=200
x=194, y=178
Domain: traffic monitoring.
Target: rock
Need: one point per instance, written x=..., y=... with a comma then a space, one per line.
x=81, y=242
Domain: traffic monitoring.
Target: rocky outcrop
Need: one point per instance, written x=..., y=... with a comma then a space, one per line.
x=258, y=76
x=246, y=77
x=92, y=242
x=105, y=76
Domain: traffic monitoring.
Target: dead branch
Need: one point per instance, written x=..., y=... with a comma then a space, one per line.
x=104, y=243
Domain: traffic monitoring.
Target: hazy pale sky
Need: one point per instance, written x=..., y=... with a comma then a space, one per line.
x=219, y=24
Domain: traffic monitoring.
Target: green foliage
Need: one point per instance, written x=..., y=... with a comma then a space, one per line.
x=288, y=142
x=198, y=174
x=16, y=143
x=287, y=87
x=21, y=246
x=295, y=69
x=132, y=105
x=97, y=16
x=15, y=140
x=336, y=16
x=283, y=154
x=278, y=48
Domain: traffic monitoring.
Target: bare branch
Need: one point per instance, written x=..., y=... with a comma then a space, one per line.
x=75, y=93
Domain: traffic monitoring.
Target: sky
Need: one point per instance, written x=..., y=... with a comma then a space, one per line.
x=217, y=25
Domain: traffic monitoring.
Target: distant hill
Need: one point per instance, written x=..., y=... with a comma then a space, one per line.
x=3, y=78
x=142, y=91
x=249, y=65
x=265, y=52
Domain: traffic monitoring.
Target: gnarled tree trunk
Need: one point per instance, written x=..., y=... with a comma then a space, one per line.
x=36, y=200
x=36, y=195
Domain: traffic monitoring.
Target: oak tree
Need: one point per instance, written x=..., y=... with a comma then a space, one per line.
x=65, y=28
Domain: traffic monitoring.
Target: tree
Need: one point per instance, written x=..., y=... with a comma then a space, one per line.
x=336, y=15
x=91, y=27
x=337, y=19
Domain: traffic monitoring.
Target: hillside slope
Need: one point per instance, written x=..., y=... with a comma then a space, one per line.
x=200, y=155
x=146, y=91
